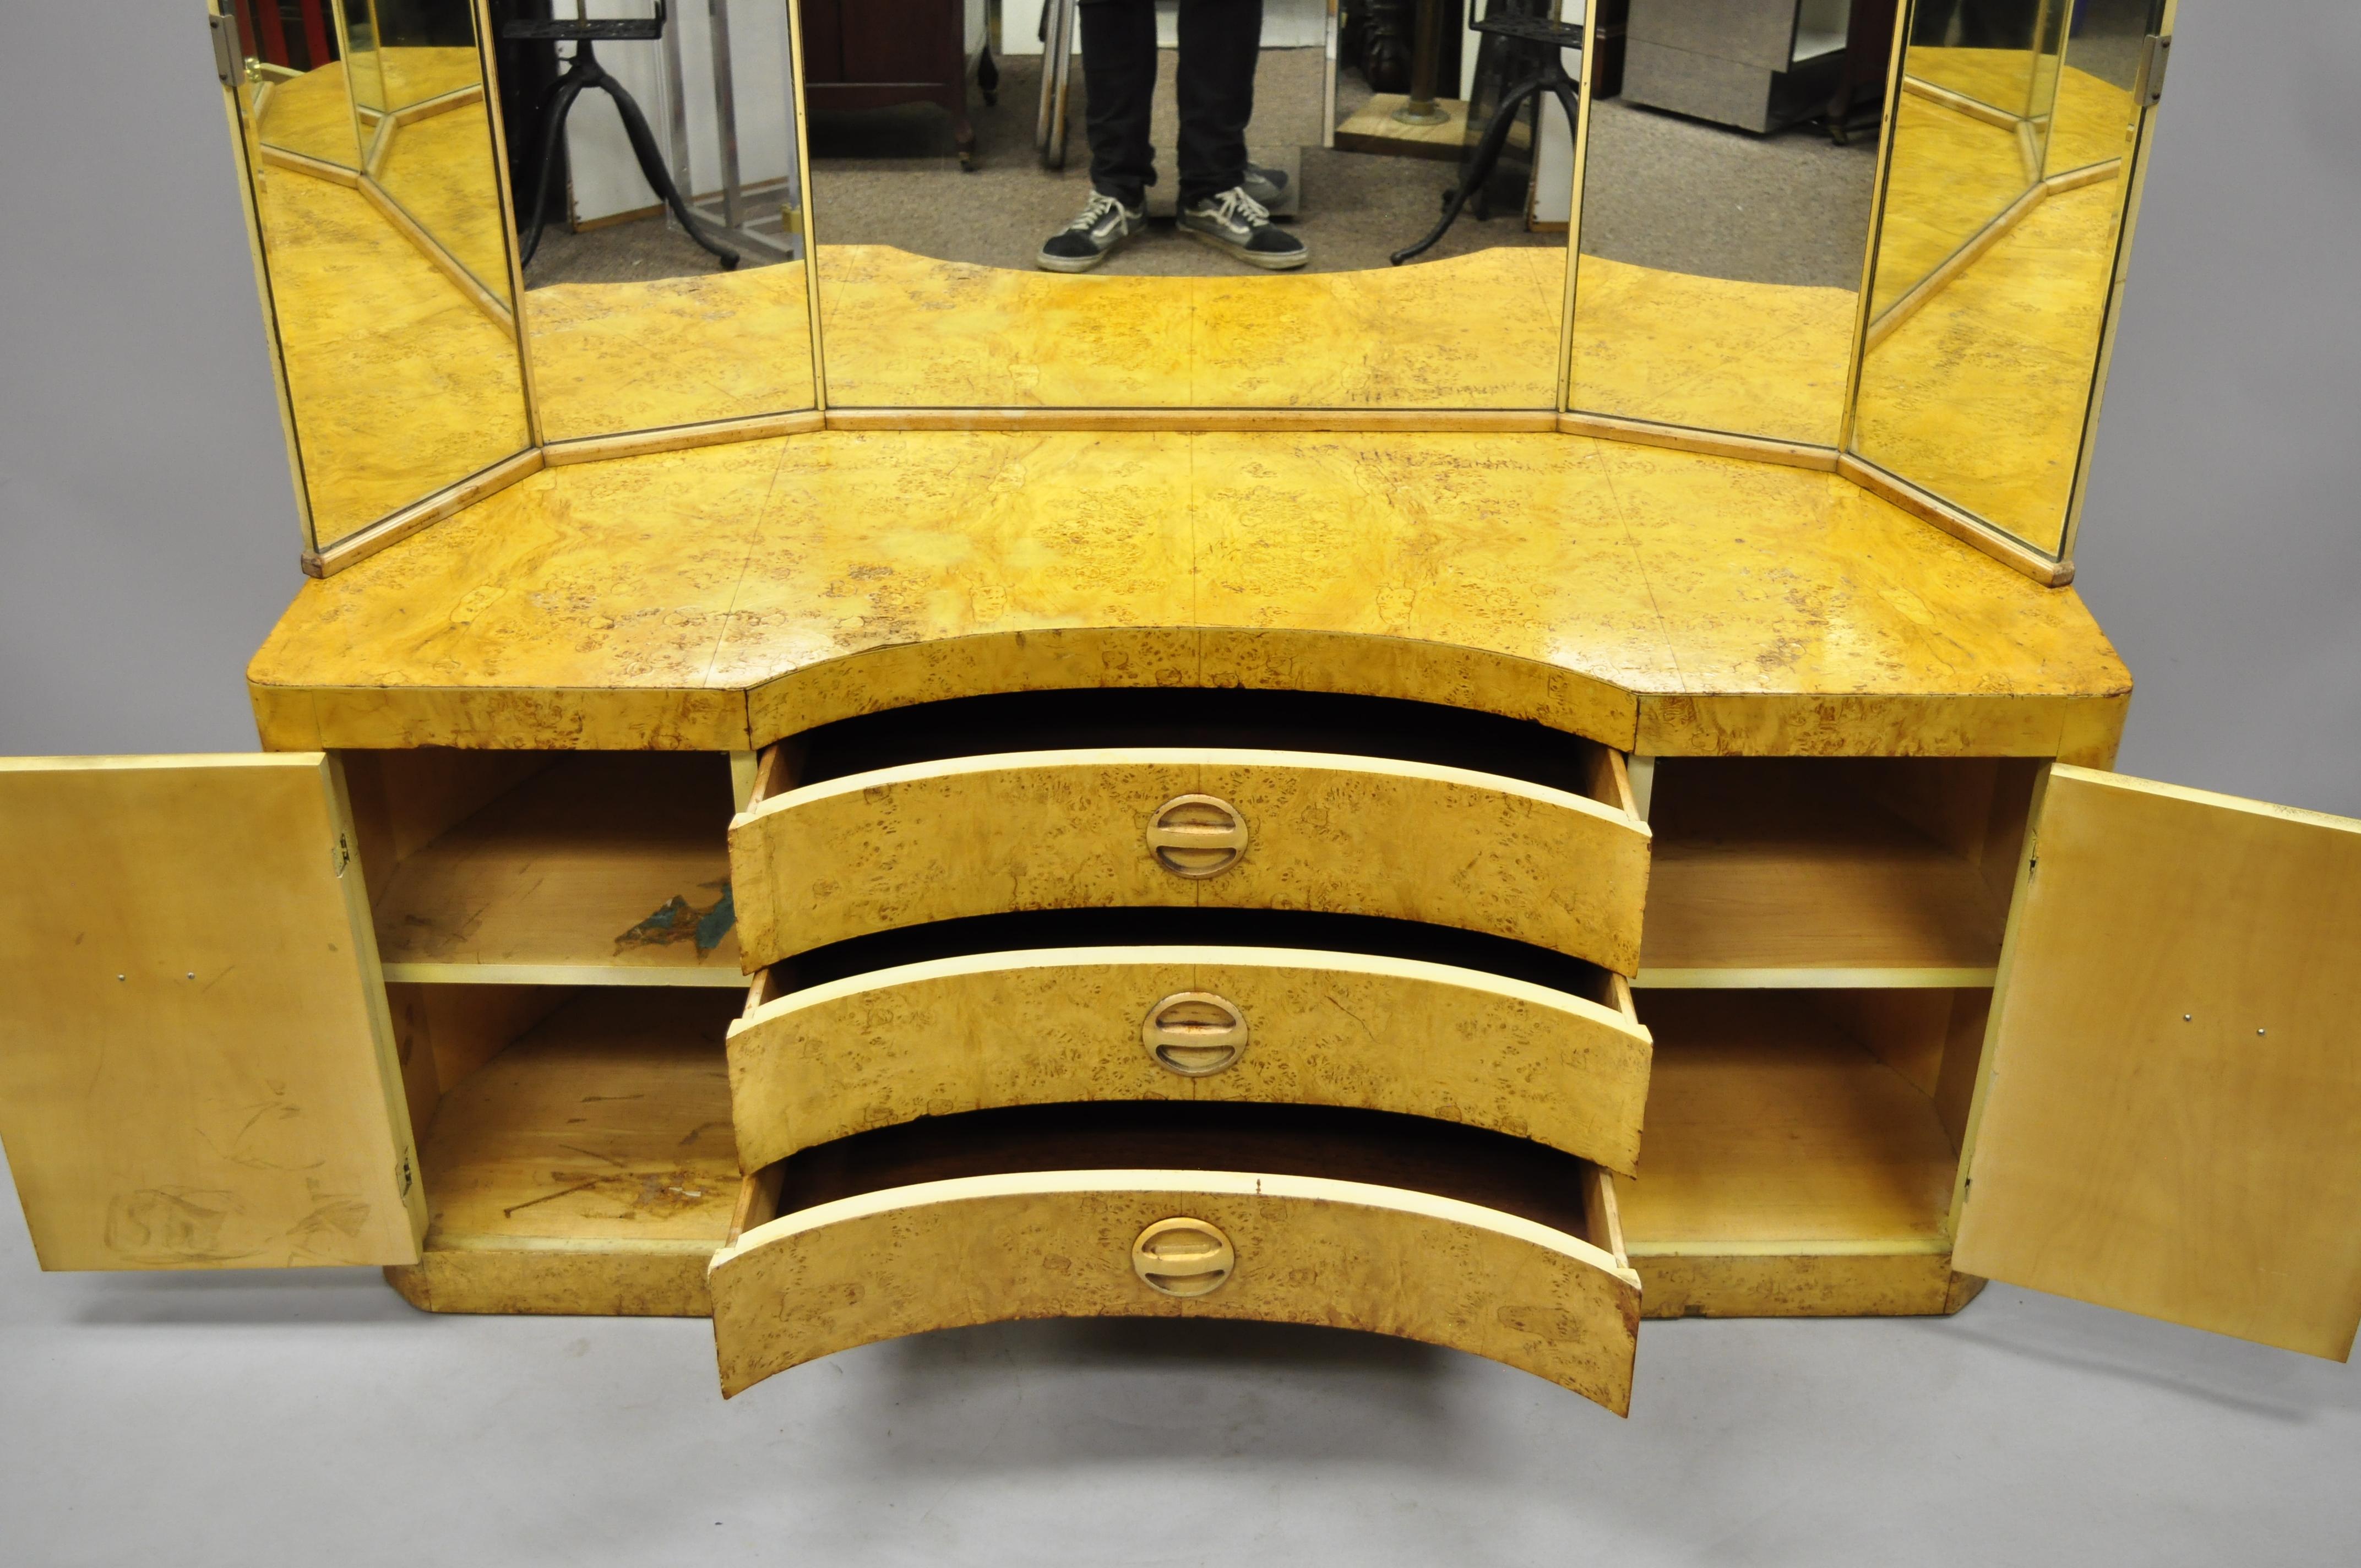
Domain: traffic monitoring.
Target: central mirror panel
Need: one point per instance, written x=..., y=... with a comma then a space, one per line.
x=1728, y=168
x=1041, y=205
x=660, y=212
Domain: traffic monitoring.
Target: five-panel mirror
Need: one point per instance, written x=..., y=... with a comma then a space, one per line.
x=1875, y=237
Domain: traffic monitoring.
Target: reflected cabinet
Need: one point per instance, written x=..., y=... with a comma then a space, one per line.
x=1226, y=660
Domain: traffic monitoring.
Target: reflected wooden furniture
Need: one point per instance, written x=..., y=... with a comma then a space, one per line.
x=874, y=54
x=1481, y=888
x=1755, y=64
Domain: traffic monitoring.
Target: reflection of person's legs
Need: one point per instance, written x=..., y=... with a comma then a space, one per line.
x=1220, y=45
x=1119, y=81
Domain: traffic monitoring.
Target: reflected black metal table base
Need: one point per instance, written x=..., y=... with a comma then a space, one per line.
x=585, y=71
x=1551, y=79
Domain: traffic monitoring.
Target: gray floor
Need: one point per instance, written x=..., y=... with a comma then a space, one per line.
x=1662, y=191
x=245, y=1418
x=891, y=177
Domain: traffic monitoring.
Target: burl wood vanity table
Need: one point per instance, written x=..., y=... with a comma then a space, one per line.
x=1361, y=847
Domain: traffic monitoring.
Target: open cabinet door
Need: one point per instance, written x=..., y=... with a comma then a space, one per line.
x=196, y=1064
x=2171, y=1116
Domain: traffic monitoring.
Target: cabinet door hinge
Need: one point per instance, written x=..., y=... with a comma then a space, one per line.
x=229, y=61
x=2147, y=90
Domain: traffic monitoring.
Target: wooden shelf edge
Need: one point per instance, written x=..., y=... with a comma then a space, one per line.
x=564, y=974
x=1832, y=977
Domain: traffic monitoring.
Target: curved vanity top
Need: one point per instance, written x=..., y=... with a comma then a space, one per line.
x=722, y=597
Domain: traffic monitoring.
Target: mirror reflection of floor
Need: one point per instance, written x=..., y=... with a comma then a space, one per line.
x=891, y=177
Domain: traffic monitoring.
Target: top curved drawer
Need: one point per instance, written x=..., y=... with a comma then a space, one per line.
x=1209, y=826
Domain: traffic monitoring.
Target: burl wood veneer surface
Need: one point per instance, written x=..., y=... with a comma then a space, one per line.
x=723, y=596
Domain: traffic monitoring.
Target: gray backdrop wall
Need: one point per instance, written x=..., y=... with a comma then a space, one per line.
x=146, y=541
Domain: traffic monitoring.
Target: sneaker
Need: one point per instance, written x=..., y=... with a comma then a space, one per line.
x=1268, y=186
x=1104, y=224
x=1238, y=224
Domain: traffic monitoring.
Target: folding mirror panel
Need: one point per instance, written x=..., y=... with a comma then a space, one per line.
x=382, y=251
x=1883, y=236
x=2010, y=192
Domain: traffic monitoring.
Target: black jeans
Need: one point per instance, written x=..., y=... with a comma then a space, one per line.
x=1221, y=43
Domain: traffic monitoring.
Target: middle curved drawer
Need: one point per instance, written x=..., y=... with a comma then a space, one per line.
x=1213, y=828
x=1259, y=1024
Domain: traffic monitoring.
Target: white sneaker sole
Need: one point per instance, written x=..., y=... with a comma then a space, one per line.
x=1048, y=263
x=1261, y=258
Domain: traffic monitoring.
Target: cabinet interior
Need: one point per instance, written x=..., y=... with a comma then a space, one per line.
x=1417, y=1153
x=1796, y=1119
x=1835, y=871
x=549, y=1115
x=536, y=867
x=1820, y=946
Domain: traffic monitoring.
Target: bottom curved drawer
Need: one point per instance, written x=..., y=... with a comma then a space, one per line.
x=1107, y=1241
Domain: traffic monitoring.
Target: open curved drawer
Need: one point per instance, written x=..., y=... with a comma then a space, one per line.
x=1192, y=1022
x=1392, y=1225
x=1540, y=844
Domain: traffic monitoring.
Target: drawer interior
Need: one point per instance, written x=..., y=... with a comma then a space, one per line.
x=1032, y=929
x=581, y=867
x=1414, y=1154
x=1386, y=727
x=557, y=1115
x=1897, y=869
x=1794, y=1119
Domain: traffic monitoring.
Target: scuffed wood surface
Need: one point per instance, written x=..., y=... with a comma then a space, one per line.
x=720, y=598
x=905, y=331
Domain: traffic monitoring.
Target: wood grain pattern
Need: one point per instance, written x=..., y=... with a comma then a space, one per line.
x=1064, y=1025
x=2172, y=1100
x=1771, y=1133
x=1345, y=1254
x=1066, y=830
x=674, y=351
x=607, y=866
x=1798, y=1284
x=1761, y=359
x=904, y=331
x=197, y=1067
x=720, y=598
x=1788, y=872
x=586, y=1167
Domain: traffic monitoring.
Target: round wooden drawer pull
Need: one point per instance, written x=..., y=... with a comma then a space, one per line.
x=1194, y=1033
x=1197, y=836
x=1183, y=1257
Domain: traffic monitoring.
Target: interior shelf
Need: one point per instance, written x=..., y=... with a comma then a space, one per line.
x=1805, y=873
x=1768, y=1125
x=600, y=867
x=608, y=1123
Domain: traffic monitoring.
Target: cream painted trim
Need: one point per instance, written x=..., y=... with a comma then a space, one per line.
x=1200, y=420
x=645, y=1245
x=680, y=437
x=1225, y=1183
x=1890, y=1246
x=1963, y=526
x=1962, y=979
x=562, y=974
x=398, y=526
x=1711, y=443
